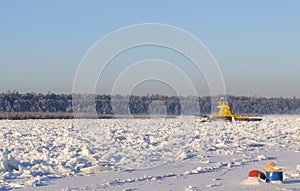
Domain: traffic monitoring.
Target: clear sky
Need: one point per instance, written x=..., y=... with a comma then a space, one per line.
x=256, y=43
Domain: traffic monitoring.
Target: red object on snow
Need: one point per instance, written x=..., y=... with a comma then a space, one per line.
x=257, y=173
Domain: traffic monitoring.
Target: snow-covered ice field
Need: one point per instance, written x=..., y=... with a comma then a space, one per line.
x=147, y=154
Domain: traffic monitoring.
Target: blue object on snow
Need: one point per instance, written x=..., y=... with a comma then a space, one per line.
x=274, y=176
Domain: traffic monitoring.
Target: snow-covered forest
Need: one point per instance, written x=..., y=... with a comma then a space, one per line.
x=50, y=102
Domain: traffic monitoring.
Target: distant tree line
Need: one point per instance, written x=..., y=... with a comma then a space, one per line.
x=263, y=105
x=157, y=104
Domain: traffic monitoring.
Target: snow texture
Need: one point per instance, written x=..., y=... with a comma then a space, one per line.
x=147, y=154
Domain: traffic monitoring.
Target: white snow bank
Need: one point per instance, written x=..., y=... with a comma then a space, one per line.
x=252, y=181
x=8, y=163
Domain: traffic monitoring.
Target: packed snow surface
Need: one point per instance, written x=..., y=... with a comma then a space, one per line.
x=147, y=154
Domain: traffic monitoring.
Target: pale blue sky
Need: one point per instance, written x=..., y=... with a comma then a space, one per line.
x=256, y=43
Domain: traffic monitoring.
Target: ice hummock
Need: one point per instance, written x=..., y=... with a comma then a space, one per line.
x=112, y=154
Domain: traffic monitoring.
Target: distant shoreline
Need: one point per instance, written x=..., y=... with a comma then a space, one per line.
x=70, y=115
x=14, y=105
